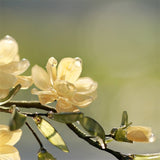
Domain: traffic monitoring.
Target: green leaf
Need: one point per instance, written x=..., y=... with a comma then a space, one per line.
x=10, y=95
x=44, y=155
x=50, y=133
x=124, y=121
x=94, y=129
x=119, y=134
x=155, y=156
x=18, y=119
x=67, y=117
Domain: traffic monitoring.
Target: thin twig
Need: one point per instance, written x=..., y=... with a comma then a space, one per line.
x=77, y=131
x=35, y=135
x=32, y=104
x=80, y=134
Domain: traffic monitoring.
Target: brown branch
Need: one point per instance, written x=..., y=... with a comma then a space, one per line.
x=77, y=131
x=32, y=104
x=82, y=135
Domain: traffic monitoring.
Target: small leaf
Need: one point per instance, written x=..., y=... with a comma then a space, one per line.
x=10, y=95
x=124, y=121
x=44, y=155
x=18, y=120
x=50, y=133
x=94, y=129
x=155, y=156
x=67, y=117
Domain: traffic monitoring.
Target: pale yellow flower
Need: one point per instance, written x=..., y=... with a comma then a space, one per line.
x=140, y=134
x=63, y=84
x=11, y=67
x=7, y=140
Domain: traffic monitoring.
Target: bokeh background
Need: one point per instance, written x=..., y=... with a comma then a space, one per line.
x=119, y=43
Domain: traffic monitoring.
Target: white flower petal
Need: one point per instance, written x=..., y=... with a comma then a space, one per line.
x=81, y=100
x=86, y=92
x=15, y=68
x=3, y=93
x=8, y=50
x=40, y=78
x=64, y=88
x=51, y=69
x=45, y=96
x=6, y=80
x=3, y=127
x=63, y=105
x=69, y=69
x=25, y=81
x=85, y=85
x=9, y=137
x=16, y=135
x=5, y=136
x=37, y=92
x=139, y=134
x=9, y=153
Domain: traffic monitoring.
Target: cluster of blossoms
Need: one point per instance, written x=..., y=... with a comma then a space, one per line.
x=64, y=85
x=11, y=67
x=61, y=83
x=7, y=140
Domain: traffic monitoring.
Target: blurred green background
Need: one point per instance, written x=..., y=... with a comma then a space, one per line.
x=118, y=41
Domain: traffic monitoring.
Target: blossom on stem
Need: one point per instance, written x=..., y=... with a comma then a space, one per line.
x=63, y=84
x=11, y=67
x=7, y=140
x=139, y=134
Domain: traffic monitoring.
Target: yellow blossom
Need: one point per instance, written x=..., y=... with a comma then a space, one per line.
x=63, y=84
x=140, y=134
x=7, y=140
x=11, y=67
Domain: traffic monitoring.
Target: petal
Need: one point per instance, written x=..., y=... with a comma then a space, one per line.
x=86, y=92
x=9, y=153
x=40, y=78
x=9, y=137
x=16, y=68
x=8, y=50
x=37, y=92
x=3, y=127
x=7, y=80
x=5, y=136
x=139, y=134
x=45, y=96
x=81, y=100
x=69, y=69
x=85, y=85
x=25, y=81
x=51, y=69
x=3, y=93
x=64, y=88
x=63, y=105
x=16, y=135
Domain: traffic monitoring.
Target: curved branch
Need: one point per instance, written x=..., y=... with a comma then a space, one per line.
x=82, y=135
x=76, y=130
x=32, y=104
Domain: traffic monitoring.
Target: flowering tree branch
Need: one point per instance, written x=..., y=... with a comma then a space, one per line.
x=60, y=83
